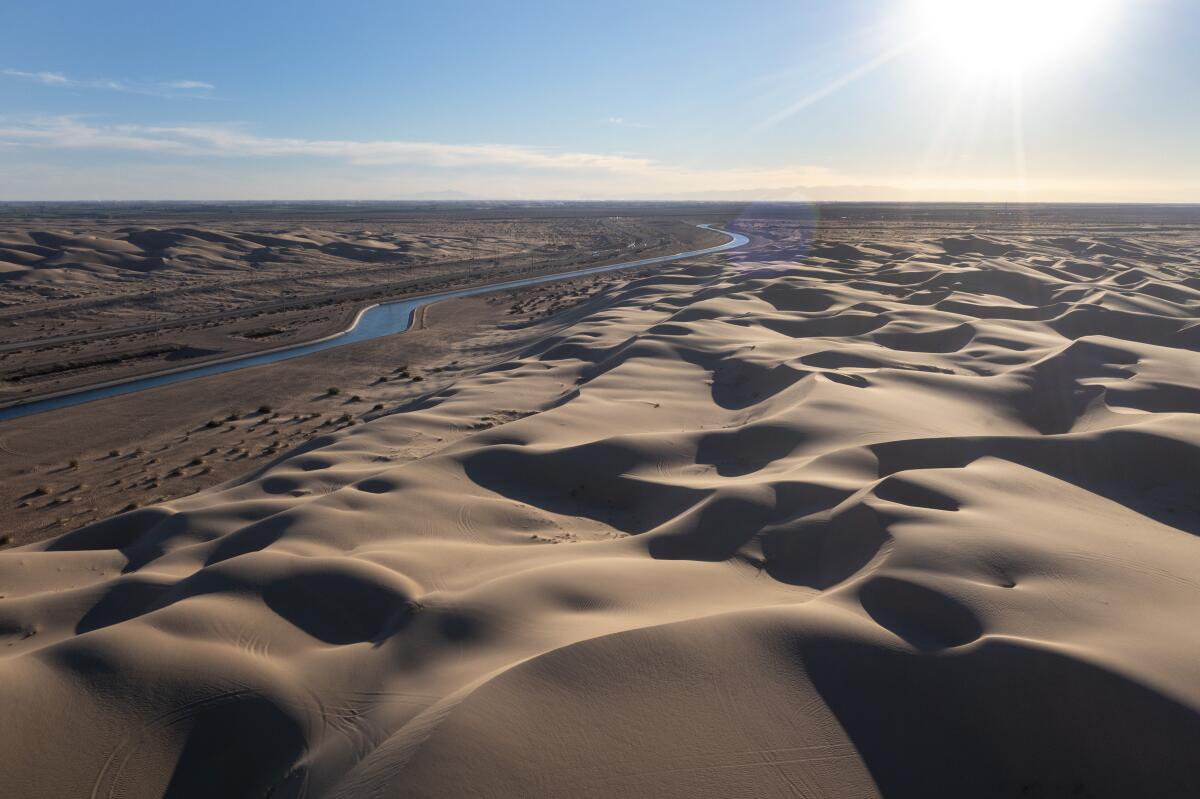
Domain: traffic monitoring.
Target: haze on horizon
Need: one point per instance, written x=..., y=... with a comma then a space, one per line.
x=1058, y=100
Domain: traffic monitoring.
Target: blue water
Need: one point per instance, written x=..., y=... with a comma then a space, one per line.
x=378, y=320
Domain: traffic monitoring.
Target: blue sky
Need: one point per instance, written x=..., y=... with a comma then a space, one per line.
x=853, y=99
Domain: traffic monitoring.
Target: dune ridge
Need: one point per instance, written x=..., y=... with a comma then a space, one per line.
x=44, y=255
x=882, y=518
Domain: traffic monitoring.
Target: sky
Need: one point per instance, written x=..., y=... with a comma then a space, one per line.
x=601, y=99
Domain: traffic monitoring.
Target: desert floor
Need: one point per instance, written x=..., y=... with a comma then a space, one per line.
x=894, y=503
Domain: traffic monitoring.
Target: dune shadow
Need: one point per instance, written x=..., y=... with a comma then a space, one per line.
x=123, y=601
x=590, y=480
x=339, y=608
x=1003, y=719
x=248, y=747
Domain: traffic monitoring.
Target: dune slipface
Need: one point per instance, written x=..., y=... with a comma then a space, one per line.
x=901, y=520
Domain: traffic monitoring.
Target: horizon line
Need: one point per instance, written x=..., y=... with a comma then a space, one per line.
x=590, y=201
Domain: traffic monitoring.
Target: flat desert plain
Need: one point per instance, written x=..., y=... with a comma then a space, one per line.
x=896, y=504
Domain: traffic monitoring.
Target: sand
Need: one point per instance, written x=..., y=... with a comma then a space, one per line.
x=96, y=293
x=851, y=519
x=61, y=470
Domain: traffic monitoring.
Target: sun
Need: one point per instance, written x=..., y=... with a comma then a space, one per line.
x=1009, y=37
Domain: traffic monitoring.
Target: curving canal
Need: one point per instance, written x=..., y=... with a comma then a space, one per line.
x=384, y=319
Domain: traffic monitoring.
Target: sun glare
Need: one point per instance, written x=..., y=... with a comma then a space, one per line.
x=997, y=37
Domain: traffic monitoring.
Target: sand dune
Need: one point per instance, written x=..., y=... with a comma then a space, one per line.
x=49, y=255
x=886, y=518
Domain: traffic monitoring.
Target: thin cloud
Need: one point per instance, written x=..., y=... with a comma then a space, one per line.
x=625, y=123
x=173, y=88
x=215, y=141
x=188, y=84
x=49, y=78
x=604, y=171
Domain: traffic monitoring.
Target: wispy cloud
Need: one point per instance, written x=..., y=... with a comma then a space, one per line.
x=61, y=132
x=188, y=84
x=49, y=78
x=481, y=167
x=625, y=123
x=171, y=88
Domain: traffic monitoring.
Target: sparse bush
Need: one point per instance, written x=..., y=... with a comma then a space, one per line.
x=114, y=453
x=211, y=423
x=378, y=406
x=356, y=398
x=265, y=408
x=73, y=463
x=333, y=391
